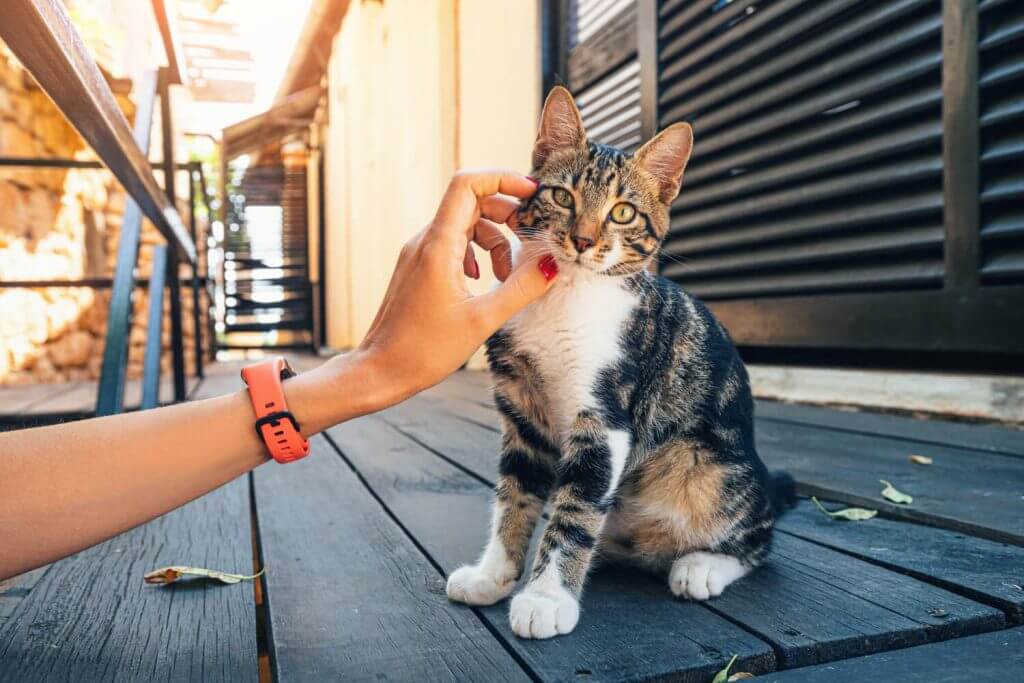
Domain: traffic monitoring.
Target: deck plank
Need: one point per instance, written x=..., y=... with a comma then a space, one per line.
x=986, y=571
x=90, y=617
x=991, y=657
x=921, y=431
x=796, y=582
x=630, y=626
x=349, y=596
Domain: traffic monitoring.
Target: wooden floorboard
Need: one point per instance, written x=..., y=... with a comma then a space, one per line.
x=91, y=617
x=811, y=603
x=630, y=627
x=921, y=431
x=989, y=658
x=983, y=570
x=974, y=491
x=349, y=596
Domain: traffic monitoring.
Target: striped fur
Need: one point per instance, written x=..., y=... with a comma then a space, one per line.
x=625, y=405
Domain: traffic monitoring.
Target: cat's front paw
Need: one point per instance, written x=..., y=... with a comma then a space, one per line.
x=536, y=614
x=472, y=585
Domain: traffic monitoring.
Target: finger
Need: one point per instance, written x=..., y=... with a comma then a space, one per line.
x=490, y=238
x=469, y=264
x=498, y=209
x=527, y=283
x=461, y=202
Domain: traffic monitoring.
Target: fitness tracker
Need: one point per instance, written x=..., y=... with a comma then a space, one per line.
x=275, y=425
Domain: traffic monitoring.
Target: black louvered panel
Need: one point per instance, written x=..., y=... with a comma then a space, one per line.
x=1001, y=82
x=586, y=17
x=611, y=108
x=818, y=157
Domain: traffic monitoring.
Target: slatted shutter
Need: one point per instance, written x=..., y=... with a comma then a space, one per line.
x=818, y=158
x=856, y=184
x=1001, y=71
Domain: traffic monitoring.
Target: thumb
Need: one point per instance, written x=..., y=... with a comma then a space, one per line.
x=524, y=285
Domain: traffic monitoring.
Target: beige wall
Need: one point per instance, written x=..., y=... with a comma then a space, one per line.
x=417, y=89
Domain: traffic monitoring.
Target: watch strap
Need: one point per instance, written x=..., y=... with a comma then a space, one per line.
x=275, y=424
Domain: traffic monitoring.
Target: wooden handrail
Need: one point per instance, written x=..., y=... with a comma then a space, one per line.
x=41, y=35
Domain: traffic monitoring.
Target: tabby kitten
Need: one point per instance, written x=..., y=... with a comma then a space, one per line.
x=624, y=402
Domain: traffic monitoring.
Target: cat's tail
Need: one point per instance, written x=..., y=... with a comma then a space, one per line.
x=781, y=491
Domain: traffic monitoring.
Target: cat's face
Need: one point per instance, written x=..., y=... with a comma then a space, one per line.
x=599, y=208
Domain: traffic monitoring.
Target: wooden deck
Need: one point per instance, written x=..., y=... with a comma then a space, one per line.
x=357, y=540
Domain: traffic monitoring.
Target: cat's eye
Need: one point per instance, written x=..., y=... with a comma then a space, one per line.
x=562, y=197
x=623, y=212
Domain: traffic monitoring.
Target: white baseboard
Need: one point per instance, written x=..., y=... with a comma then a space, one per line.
x=987, y=397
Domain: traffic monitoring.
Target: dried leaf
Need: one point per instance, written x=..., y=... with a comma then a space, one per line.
x=723, y=675
x=849, y=514
x=891, y=493
x=938, y=612
x=171, y=574
x=921, y=460
x=740, y=676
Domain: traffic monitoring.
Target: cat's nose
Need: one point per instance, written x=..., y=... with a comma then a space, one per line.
x=582, y=243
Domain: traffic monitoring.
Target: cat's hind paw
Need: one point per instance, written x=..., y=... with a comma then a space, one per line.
x=699, y=576
x=535, y=614
x=472, y=585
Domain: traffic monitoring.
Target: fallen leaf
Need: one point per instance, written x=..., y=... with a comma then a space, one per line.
x=1015, y=586
x=921, y=460
x=723, y=675
x=740, y=676
x=893, y=494
x=171, y=574
x=849, y=514
x=938, y=612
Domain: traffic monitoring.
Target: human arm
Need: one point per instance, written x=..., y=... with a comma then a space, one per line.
x=66, y=487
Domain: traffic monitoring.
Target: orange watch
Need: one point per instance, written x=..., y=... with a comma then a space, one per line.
x=274, y=423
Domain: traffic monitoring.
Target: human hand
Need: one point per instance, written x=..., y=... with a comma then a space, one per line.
x=429, y=323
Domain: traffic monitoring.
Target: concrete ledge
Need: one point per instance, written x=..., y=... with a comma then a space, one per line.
x=982, y=397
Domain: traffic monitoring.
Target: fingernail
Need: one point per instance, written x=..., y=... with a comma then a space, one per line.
x=548, y=267
x=476, y=271
x=533, y=180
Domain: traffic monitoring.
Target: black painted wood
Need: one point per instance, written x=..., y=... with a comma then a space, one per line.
x=349, y=596
x=985, y=571
x=920, y=431
x=90, y=617
x=631, y=628
x=816, y=605
x=607, y=49
x=869, y=608
x=979, y=659
x=972, y=491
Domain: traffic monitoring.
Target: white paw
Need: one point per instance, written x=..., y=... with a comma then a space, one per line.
x=699, y=576
x=535, y=614
x=474, y=586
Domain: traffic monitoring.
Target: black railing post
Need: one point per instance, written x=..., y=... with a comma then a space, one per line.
x=173, y=261
x=110, y=396
x=197, y=336
x=154, y=330
x=961, y=162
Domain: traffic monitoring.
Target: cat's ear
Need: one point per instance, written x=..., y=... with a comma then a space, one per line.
x=561, y=126
x=664, y=158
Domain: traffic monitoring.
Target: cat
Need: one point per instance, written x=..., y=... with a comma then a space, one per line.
x=624, y=403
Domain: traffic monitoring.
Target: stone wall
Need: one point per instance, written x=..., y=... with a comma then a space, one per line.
x=61, y=224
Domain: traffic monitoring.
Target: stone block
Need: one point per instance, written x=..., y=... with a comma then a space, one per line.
x=16, y=141
x=73, y=350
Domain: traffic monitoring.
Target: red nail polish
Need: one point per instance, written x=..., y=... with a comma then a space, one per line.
x=548, y=267
x=475, y=274
x=533, y=180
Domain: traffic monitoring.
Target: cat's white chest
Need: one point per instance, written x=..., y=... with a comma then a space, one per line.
x=572, y=334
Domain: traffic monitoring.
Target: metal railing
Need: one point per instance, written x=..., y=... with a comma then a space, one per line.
x=41, y=36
